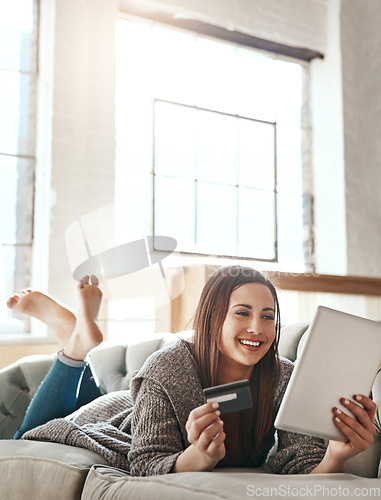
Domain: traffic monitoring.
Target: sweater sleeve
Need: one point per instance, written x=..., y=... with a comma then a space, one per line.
x=156, y=437
x=296, y=453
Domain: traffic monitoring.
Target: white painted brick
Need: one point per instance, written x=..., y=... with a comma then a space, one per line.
x=300, y=23
x=361, y=40
x=83, y=144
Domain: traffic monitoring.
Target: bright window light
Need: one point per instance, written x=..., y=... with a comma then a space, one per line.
x=18, y=75
x=212, y=145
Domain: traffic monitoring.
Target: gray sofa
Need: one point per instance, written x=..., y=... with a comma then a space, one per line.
x=39, y=470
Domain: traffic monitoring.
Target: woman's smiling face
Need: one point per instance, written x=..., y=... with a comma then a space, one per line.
x=247, y=332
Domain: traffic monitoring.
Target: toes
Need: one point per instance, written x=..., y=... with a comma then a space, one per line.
x=12, y=301
x=94, y=280
x=83, y=281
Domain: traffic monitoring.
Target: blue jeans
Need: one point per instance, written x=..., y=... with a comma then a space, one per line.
x=65, y=388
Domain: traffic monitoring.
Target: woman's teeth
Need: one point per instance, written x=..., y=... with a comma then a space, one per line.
x=249, y=342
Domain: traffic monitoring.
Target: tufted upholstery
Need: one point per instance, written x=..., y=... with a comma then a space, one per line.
x=18, y=384
x=114, y=364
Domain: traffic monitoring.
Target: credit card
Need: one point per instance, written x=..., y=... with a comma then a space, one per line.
x=231, y=397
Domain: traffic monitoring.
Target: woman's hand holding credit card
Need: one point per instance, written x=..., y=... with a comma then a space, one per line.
x=230, y=397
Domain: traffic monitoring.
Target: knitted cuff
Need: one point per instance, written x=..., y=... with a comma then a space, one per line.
x=70, y=362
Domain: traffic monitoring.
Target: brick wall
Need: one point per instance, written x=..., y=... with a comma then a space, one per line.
x=79, y=159
x=294, y=22
x=361, y=70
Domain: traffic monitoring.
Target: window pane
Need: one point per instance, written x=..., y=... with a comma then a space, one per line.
x=16, y=200
x=216, y=219
x=17, y=267
x=289, y=93
x=215, y=68
x=18, y=68
x=256, y=224
x=216, y=147
x=17, y=272
x=175, y=140
x=232, y=121
x=17, y=93
x=133, y=195
x=18, y=35
x=174, y=211
x=290, y=231
x=256, y=150
x=134, y=53
x=289, y=160
x=173, y=65
x=133, y=148
x=257, y=85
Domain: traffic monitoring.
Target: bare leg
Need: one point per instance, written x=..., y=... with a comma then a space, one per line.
x=86, y=334
x=68, y=379
x=59, y=318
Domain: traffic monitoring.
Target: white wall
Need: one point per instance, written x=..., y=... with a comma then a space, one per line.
x=328, y=152
x=300, y=23
x=76, y=140
x=361, y=70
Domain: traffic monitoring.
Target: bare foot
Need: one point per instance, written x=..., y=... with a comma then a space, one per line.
x=60, y=319
x=86, y=333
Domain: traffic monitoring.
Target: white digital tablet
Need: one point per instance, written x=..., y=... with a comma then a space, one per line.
x=340, y=357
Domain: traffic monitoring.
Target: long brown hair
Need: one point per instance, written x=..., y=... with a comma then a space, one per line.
x=257, y=422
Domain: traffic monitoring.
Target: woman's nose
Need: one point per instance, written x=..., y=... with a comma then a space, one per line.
x=255, y=326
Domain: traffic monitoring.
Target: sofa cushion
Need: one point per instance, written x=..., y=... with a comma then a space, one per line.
x=44, y=470
x=107, y=483
x=365, y=464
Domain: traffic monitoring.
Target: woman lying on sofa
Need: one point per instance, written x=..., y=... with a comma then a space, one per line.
x=163, y=425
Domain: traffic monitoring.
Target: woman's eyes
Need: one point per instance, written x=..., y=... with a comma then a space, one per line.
x=271, y=318
x=268, y=317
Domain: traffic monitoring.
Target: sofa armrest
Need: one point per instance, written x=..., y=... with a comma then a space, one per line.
x=34, y=469
x=18, y=384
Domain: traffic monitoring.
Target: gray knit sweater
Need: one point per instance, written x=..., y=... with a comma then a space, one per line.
x=143, y=430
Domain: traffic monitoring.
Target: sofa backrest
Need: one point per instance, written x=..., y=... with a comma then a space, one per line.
x=113, y=365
